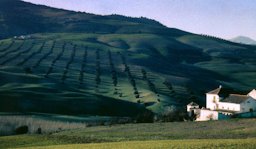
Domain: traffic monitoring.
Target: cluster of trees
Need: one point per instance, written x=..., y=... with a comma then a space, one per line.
x=45, y=56
x=31, y=55
x=18, y=54
x=213, y=37
x=150, y=83
x=171, y=114
x=73, y=54
x=168, y=85
x=9, y=46
x=113, y=70
x=142, y=20
x=55, y=60
x=130, y=77
x=81, y=75
x=98, y=71
x=12, y=51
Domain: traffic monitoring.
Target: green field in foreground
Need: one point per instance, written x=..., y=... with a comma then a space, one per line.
x=174, y=144
x=231, y=133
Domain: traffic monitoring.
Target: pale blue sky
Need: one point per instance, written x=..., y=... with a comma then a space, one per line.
x=222, y=18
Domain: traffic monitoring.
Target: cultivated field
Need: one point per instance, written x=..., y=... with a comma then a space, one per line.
x=86, y=76
x=91, y=73
x=174, y=144
x=229, y=133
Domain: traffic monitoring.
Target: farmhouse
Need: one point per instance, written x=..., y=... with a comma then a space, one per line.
x=220, y=104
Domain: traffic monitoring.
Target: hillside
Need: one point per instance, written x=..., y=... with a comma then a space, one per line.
x=42, y=19
x=83, y=64
x=243, y=40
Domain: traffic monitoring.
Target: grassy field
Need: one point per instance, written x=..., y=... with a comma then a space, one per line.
x=236, y=133
x=164, y=144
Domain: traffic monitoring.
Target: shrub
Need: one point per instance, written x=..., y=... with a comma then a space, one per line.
x=21, y=130
x=145, y=117
x=39, y=130
x=27, y=70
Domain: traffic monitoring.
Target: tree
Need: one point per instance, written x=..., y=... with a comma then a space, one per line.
x=27, y=70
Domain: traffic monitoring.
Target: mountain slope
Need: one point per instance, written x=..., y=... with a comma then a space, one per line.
x=19, y=18
x=243, y=40
x=84, y=64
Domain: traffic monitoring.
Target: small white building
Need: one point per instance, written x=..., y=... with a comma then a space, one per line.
x=192, y=106
x=192, y=109
x=22, y=37
x=220, y=104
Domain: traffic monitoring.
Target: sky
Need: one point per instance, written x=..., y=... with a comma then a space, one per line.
x=221, y=18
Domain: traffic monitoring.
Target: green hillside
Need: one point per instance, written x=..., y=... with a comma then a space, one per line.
x=83, y=64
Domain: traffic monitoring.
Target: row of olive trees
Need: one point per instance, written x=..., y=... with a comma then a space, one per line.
x=150, y=83
x=114, y=75
x=45, y=56
x=112, y=69
x=130, y=77
x=98, y=69
x=32, y=55
x=55, y=60
x=214, y=37
x=82, y=70
x=168, y=84
x=12, y=51
x=72, y=56
x=8, y=47
x=17, y=55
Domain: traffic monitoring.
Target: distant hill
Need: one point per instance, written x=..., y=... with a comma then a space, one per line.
x=40, y=19
x=84, y=64
x=243, y=40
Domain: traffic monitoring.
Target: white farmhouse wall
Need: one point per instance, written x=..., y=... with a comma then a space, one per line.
x=229, y=106
x=211, y=100
x=248, y=104
x=206, y=115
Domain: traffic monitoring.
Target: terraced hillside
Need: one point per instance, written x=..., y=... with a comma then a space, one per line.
x=136, y=66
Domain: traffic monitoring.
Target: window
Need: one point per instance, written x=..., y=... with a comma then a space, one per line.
x=214, y=99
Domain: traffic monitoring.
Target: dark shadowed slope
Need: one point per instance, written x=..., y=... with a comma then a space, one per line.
x=17, y=18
